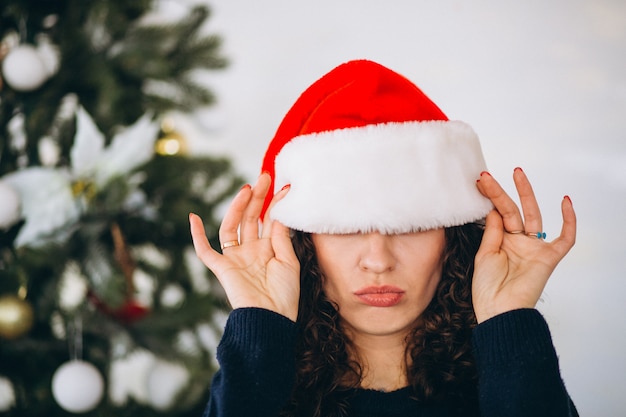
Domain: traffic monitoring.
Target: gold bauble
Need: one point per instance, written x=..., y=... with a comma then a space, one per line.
x=16, y=316
x=170, y=142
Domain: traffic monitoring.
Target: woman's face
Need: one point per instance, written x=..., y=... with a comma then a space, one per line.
x=381, y=283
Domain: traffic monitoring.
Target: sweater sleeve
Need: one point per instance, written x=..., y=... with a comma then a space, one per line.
x=257, y=365
x=518, y=370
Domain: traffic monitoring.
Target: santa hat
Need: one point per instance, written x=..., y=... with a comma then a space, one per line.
x=365, y=150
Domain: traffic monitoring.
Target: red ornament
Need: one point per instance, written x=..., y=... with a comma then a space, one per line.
x=129, y=312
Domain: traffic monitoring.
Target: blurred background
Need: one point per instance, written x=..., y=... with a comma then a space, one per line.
x=543, y=84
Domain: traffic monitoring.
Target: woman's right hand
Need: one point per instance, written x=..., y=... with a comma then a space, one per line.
x=262, y=270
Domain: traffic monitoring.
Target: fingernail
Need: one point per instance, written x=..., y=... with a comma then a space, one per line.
x=568, y=199
x=246, y=186
x=518, y=169
x=285, y=187
x=483, y=173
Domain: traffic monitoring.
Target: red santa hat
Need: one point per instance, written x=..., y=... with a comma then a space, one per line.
x=365, y=150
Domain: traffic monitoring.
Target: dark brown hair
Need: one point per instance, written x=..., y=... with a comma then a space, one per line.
x=442, y=367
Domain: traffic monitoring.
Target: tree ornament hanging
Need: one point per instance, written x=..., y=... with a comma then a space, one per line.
x=165, y=381
x=170, y=141
x=10, y=207
x=77, y=386
x=49, y=55
x=16, y=316
x=131, y=310
x=24, y=69
x=49, y=151
x=7, y=394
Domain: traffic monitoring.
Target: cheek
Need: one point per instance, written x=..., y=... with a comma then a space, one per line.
x=332, y=289
x=433, y=283
x=332, y=270
x=426, y=287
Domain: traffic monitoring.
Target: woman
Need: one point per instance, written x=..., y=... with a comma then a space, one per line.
x=392, y=275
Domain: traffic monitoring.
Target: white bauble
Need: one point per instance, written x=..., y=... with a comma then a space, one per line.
x=77, y=386
x=10, y=207
x=23, y=68
x=165, y=381
x=49, y=54
x=49, y=151
x=7, y=394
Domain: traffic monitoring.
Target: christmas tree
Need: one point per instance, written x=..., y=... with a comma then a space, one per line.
x=104, y=308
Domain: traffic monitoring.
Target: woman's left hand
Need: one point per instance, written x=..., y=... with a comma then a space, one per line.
x=511, y=269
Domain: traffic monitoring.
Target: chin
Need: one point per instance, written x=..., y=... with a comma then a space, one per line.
x=383, y=323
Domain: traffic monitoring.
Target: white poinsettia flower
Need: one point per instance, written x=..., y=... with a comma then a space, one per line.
x=88, y=145
x=51, y=197
x=47, y=202
x=128, y=150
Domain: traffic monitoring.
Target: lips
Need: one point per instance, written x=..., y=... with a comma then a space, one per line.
x=383, y=296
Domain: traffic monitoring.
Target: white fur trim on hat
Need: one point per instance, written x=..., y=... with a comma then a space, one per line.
x=391, y=178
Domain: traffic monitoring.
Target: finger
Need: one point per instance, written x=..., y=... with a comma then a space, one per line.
x=492, y=236
x=201, y=244
x=530, y=208
x=567, y=238
x=249, y=229
x=511, y=217
x=281, y=243
x=232, y=218
x=267, y=221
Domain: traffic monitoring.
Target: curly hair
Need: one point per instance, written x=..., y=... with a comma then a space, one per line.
x=441, y=369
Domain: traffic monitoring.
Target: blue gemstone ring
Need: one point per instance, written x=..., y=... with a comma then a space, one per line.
x=538, y=235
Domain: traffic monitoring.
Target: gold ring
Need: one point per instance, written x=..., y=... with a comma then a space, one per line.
x=229, y=244
x=538, y=235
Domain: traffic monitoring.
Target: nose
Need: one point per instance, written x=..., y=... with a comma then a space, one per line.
x=377, y=254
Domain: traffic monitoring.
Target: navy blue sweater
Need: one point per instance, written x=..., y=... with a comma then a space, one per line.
x=517, y=365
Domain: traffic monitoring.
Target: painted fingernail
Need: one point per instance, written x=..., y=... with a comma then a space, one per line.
x=483, y=173
x=518, y=169
x=243, y=187
x=568, y=199
x=285, y=187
